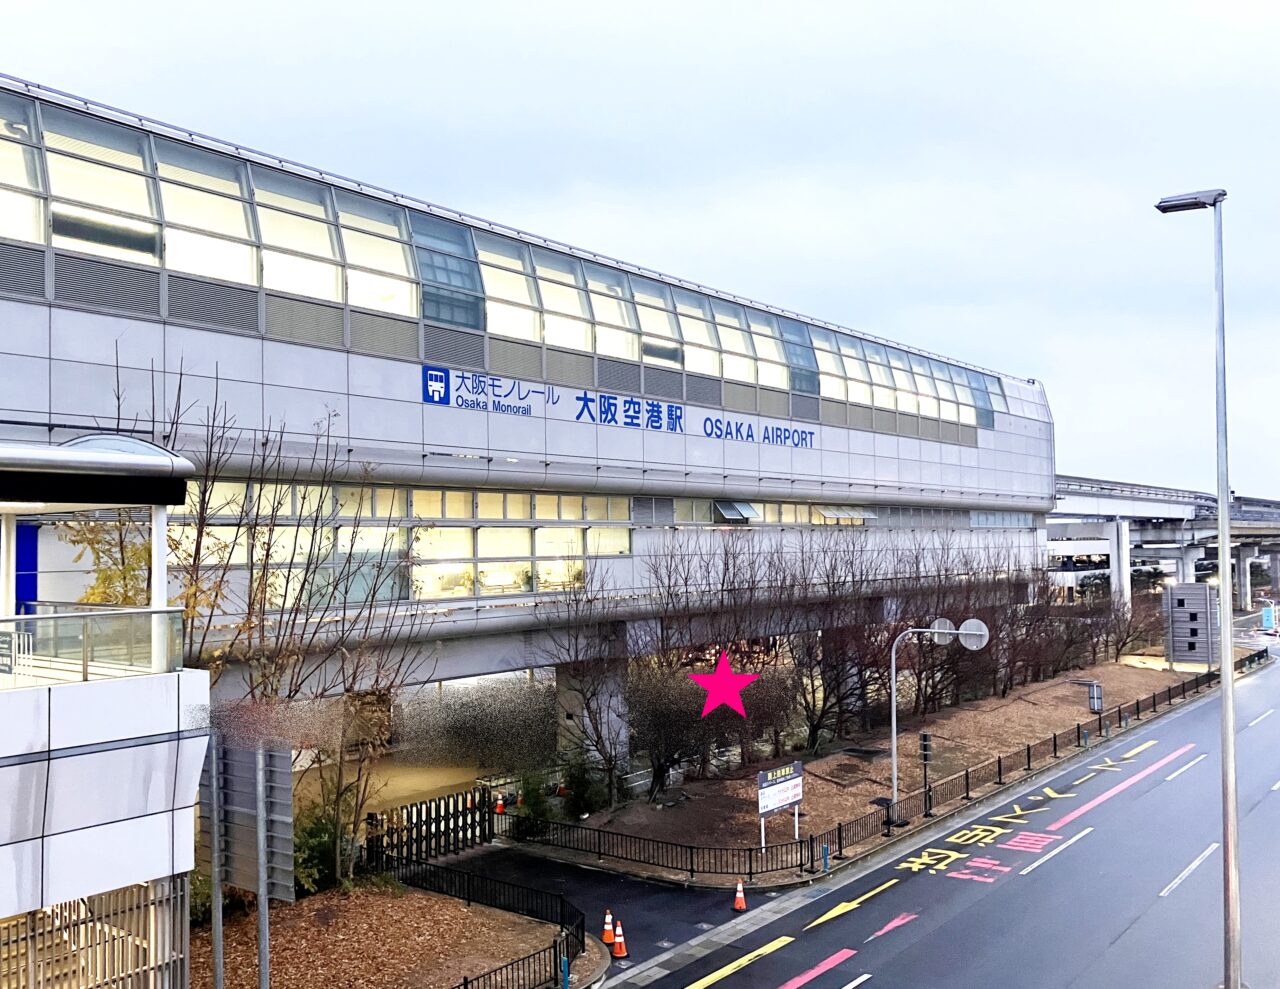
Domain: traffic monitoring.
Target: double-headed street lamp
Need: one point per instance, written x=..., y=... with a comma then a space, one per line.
x=1212, y=199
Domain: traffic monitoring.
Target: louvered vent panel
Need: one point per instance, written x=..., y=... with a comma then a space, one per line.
x=859, y=417
x=192, y=301
x=774, y=403
x=667, y=384
x=833, y=412
x=382, y=335
x=804, y=407
x=642, y=511
x=570, y=369
x=908, y=424
x=664, y=511
x=618, y=376
x=929, y=428
x=884, y=421
x=112, y=286
x=453, y=347
x=705, y=391
x=21, y=270
x=741, y=398
x=516, y=359
x=969, y=435
x=293, y=319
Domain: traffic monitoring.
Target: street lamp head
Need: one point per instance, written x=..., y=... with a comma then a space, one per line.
x=1205, y=199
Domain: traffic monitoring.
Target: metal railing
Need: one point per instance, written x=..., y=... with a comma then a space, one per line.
x=94, y=644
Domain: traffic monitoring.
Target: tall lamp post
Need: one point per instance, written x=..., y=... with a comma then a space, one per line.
x=1212, y=199
x=973, y=635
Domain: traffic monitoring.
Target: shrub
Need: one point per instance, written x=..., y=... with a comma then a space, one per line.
x=314, y=830
x=534, y=788
x=586, y=791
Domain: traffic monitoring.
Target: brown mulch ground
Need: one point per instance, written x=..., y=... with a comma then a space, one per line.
x=369, y=939
x=839, y=787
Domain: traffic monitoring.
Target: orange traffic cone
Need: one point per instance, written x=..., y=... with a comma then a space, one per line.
x=739, y=899
x=607, y=936
x=500, y=807
x=619, y=942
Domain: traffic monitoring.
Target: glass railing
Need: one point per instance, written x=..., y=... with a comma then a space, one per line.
x=37, y=650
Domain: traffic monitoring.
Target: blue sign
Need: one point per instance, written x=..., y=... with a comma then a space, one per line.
x=435, y=385
x=1269, y=616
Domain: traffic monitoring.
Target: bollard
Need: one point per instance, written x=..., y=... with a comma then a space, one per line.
x=826, y=858
x=839, y=841
x=1125, y=723
x=564, y=972
x=1086, y=738
x=1137, y=708
x=1078, y=743
x=1028, y=758
x=1106, y=729
x=1055, y=745
x=1099, y=722
x=999, y=770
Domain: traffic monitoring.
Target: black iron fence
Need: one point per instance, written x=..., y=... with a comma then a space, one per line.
x=434, y=828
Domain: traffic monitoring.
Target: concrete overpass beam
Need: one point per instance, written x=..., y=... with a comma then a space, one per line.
x=1121, y=569
x=1187, y=564
x=1244, y=578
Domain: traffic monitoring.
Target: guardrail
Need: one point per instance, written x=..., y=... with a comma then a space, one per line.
x=89, y=645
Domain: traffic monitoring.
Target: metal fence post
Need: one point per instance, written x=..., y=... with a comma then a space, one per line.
x=1155, y=702
x=1077, y=734
x=840, y=840
x=966, y=784
x=1137, y=709
x=600, y=848
x=1028, y=757
x=999, y=770
x=928, y=801
x=751, y=863
x=888, y=820
x=691, y=863
x=1055, y=745
x=813, y=860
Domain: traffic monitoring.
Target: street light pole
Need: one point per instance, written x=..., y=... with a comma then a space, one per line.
x=1212, y=198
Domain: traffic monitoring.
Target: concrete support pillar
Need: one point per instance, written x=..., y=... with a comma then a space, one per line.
x=1275, y=576
x=1244, y=578
x=160, y=624
x=8, y=564
x=591, y=699
x=1191, y=555
x=1121, y=569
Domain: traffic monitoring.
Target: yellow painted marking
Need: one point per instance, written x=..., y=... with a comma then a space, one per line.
x=843, y=908
x=1141, y=748
x=743, y=962
x=1086, y=776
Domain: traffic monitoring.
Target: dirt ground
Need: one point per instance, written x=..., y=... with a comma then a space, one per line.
x=840, y=786
x=370, y=939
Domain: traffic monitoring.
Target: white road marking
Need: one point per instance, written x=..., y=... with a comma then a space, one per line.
x=1276, y=785
x=1061, y=848
x=1178, y=772
x=1189, y=869
x=1269, y=711
x=857, y=982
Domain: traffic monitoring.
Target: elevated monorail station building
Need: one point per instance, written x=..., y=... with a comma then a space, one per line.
x=492, y=416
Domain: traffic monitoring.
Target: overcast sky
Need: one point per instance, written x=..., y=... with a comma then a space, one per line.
x=975, y=179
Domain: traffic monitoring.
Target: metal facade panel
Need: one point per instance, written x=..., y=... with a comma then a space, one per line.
x=308, y=322
x=193, y=301
x=112, y=286
x=660, y=381
x=565, y=368
x=21, y=270
x=453, y=346
x=618, y=376
x=520, y=360
x=373, y=334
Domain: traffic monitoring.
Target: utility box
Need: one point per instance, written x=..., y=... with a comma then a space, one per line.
x=1191, y=623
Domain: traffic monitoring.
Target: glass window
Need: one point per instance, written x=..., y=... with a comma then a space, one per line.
x=489, y=505
x=443, y=580
x=442, y=305
x=958, y=375
x=301, y=276
x=213, y=257
x=606, y=281
x=426, y=504
x=620, y=509
x=441, y=235
x=505, y=577
x=897, y=358
x=908, y=401
x=658, y=321
x=617, y=343
x=556, y=575
x=928, y=406
x=502, y=284
x=794, y=331
x=859, y=393
x=355, y=502
x=297, y=233
x=691, y=303
x=968, y=415
x=442, y=543
x=502, y=251
x=381, y=292
x=546, y=506
x=445, y=269
x=945, y=389
x=562, y=331
x=729, y=314
x=875, y=352
x=512, y=321
x=948, y=412
x=597, y=508
x=884, y=398
x=830, y=363
x=369, y=251
x=519, y=506
x=370, y=214
x=651, y=293
x=290, y=192
x=832, y=387
x=376, y=541
x=881, y=375
x=800, y=356
x=919, y=365
x=494, y=542
x=849, y=346
x=698, y=331
x=925, y=386
x=93, y=138
x=997, y=401
x=17, y=118
x=824, y=339
x=561, y=298
x=457, y=504
x=773, y=375
x=805, y=381
x=656, y=350
x=558, y=267
x=610, y=541
x=904, y=380
x=559, y=541
x=571, y=506
x=71, y=178
x=79, y=229
x=762, y=322
x=183, y=163
x=619, y=312
x=205, y=211
x=21, y=217
x=19, y=165
x=769, y=348
x=701, y=361
x=739, y=368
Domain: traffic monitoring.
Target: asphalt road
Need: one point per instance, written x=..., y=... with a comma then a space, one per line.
x=1105, y=875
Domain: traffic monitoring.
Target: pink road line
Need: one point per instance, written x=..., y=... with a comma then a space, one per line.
x=1062, y=822
x=826, y=966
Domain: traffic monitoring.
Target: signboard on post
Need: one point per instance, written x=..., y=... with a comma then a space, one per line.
x=780, y=789
x=1095, y=697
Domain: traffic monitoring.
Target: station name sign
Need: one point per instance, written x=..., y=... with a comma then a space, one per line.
x=479, y=391
x=780, y=788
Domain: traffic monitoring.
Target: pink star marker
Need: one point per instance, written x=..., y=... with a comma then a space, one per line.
x=723, y=686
